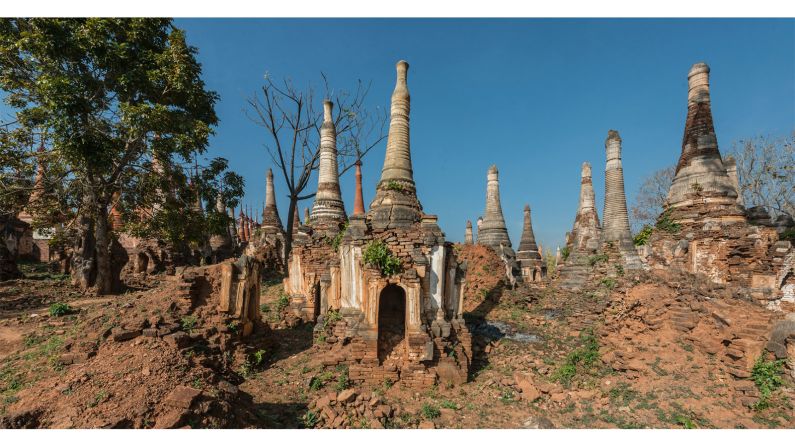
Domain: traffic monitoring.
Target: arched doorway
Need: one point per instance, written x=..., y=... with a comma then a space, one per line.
x=316, y=307
x=391, y=324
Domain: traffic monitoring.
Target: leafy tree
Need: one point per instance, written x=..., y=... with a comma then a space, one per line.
x=105, y=98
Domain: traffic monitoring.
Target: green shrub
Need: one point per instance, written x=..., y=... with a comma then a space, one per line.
x=394, y=186
x=767, y=377
x=188, y=323
x=343, y=382
x=59, y=309
x=378, y=255
x=259, y=357
x=596, y=259
x=430, y=412
x=642, y=238
x=283, y=302
x=609, y=283
x=337, y=239
x=564, y=253
x=585, y=356
x=788, y=235
x=264, y=308
x=665, y=223
x=310, y=419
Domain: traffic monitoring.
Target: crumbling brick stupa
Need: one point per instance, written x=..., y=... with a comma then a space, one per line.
x=387, y=290
x=585, y=238
x=492, y=231
x=706, y=230
x=529, y=254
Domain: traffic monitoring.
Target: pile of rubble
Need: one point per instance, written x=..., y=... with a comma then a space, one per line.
x=350, y=409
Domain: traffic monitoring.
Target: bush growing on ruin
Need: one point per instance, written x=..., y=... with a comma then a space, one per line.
x=642, y=237
x=665, y=223
x=766, y=374
x=378, y=255
x=430, y=411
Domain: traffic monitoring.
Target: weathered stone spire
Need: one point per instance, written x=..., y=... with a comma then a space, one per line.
x=492, y=231
x=270, y=214
x=38, y=187
x=586, y=233
x=527, y=255
x=307, y=216
x=358, y=199
x=528, y=249
x=395, y=202
x=616, y=219
x=701, y=176
x=468, y=234
x=479, y=225
x=241, y=228
x=328, y=206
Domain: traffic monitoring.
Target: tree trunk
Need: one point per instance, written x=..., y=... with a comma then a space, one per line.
x=83, y=271
x=105, y=281
x=288, y=236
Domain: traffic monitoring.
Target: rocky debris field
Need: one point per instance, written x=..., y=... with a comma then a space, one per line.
x=657, y=349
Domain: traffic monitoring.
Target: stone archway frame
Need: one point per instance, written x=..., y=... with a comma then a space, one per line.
x=412, y=293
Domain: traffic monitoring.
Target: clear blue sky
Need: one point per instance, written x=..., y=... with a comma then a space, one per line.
x=535, y=97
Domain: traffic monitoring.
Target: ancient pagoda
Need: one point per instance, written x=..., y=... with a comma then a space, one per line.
x=705, y=230
x=702, y=189
x=493, y=232
x=328, y=207
x=528, y=255
x=615, y=229
x=584, y=239
x=388, y=298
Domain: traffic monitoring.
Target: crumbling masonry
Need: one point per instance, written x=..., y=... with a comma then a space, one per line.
x=401, y=324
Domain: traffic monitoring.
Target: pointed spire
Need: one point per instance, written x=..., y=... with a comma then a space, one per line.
x=270, y=214
x=328, y=206
x=468, y=234
x=241, y=232
x=492, y=231
x=38, y=186
x=397, y=164
x=306, y=216
x=528, y=249
x=395, y=201
x=358, y=199
x=700, y=172
x=616, y=218
x=586, y=233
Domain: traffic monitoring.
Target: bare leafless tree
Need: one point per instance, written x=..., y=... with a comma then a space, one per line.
x=766, y=172
x=650, y=198
x=292, y=119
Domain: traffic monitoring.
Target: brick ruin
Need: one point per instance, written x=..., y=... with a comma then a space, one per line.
x=706, y=230
x=492, y=231
x=585, y=238
x=529, y=255
x=400, y=324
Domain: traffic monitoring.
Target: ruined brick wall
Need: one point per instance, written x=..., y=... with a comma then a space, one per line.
x=750, y=257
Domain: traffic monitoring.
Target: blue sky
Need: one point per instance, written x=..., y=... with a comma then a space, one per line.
x=536, y=97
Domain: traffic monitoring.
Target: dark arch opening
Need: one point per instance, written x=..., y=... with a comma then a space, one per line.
x=391, y=324
x=316, y=309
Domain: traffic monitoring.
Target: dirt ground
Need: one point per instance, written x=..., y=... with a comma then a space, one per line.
x=637, y=350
